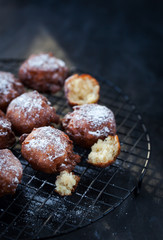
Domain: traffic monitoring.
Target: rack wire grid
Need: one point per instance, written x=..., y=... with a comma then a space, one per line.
x=37, y=212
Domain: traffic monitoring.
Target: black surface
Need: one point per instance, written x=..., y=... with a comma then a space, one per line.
x=121, y=41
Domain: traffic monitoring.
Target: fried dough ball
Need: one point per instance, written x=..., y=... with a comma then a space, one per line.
x=30, y=110
x=49, y=150
x=66, y=183
x=43, y=72
x=88, y=123
x=81, y=89
x=104, y=152
x=10, y=172
x=10, y=88
x=7, y=137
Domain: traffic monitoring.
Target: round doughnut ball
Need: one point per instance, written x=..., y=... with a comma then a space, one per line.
x=81, y=89
x=7, y=137
x=30, y=110
x=88, y=123
x=10, y=88
x=49, y=150
x=10, y=172
x=43, y=72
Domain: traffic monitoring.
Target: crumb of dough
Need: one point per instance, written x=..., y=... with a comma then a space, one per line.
x=104, y=152
x=66, y=183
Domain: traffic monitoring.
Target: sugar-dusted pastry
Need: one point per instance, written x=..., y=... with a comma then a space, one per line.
x=10, y=172
x=43, y=72
x=88, y=123
x=30, y=110
x=104, y=152
x=66, y=183
x=49, y=150
x=7, y=137
x=81, y=89
x=10, y=88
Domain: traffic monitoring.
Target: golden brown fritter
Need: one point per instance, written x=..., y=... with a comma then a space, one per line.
x=10, y=172
x=10, y=88
x=43, y=72
x=81, y=89
x=88, y=123
x=49, y=150
x=30, y=110
x=7, y=137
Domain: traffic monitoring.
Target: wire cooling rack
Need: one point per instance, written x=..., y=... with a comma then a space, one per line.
x=37, y=212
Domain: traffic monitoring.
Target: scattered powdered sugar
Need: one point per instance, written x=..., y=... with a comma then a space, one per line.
x=5, y=126
x=28, y=103
x=47, y=140
x=104, y=132
x=9, y=162
x=100, y=118
x=45, y=62
x=29, y=100
x=4, y=123
x=6, y=82
x=94, y=114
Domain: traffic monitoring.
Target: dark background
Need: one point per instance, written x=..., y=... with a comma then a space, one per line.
x=121, y=41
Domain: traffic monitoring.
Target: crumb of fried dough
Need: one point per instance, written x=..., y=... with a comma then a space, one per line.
x=104, y=152
x=66, y=183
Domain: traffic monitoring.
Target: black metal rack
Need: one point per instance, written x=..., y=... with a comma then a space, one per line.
x=36, y=211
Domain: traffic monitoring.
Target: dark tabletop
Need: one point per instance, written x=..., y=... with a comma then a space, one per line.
x=121, y=41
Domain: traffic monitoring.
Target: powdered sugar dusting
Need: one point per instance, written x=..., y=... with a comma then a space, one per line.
x=96, y=115
x=45, y=62
x=10, y=88
x=45, y=138
x=6, y=82
x=4, y=123
x=5, y=126
x=28, y=103
x=105, y=131
x=10, y=171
